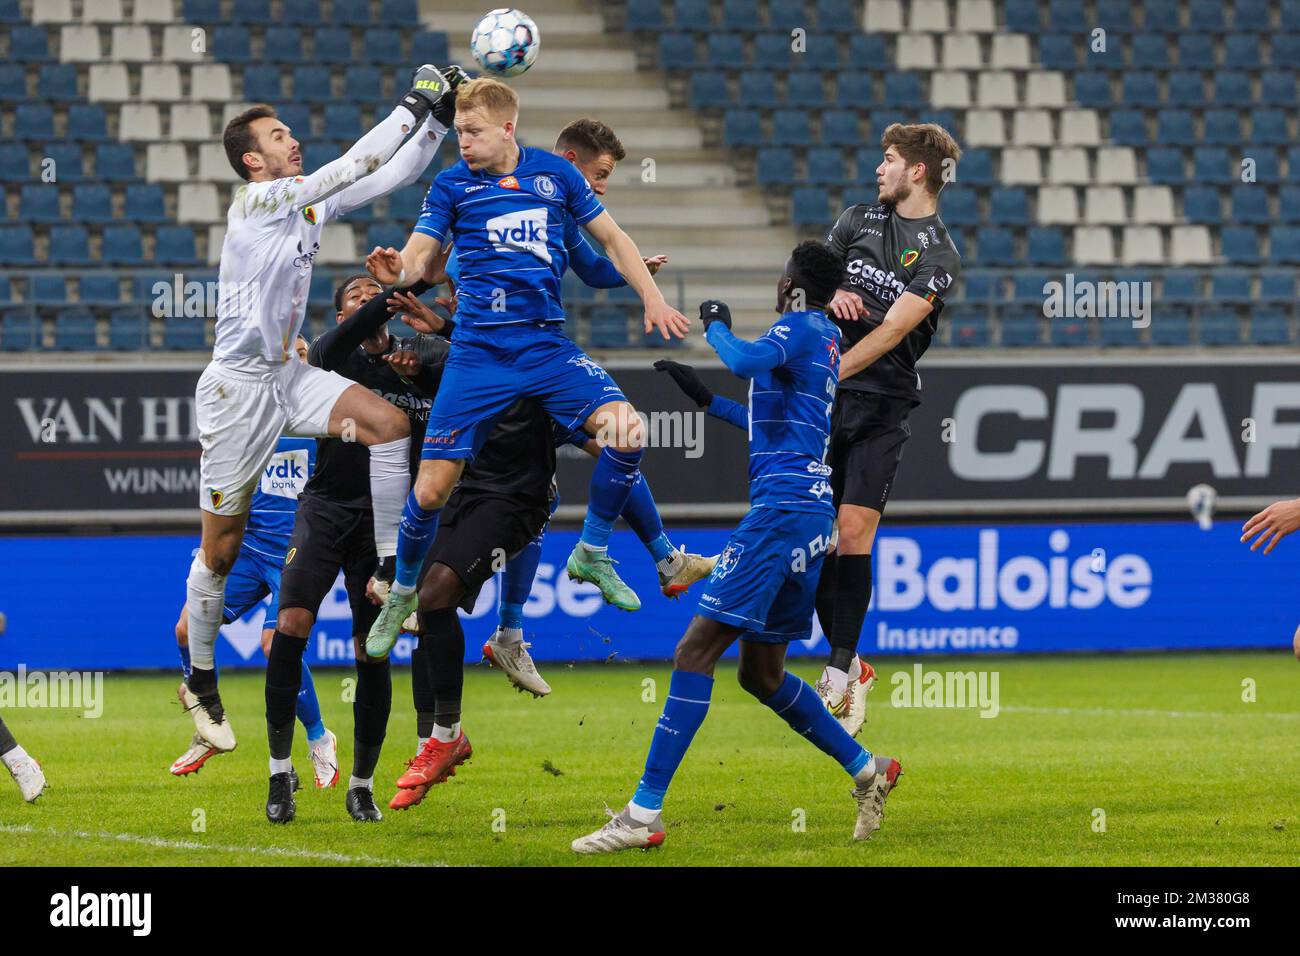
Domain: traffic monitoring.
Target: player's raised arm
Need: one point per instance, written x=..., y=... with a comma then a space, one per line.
x=627, y=259
x=746, y=359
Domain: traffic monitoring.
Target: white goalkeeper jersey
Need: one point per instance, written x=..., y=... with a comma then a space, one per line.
x=273, y=232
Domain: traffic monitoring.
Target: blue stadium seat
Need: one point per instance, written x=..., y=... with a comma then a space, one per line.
x=58, y=81
x=29, y=44
x=251, y=11
x=607, y=328
x=1151, y=51
x=975, y=168
x=1277, y=286
x=741, y=15
x=691, y=15
x=114, y=162
x=14, y=165
x=67, y=159
x=1092, y=89
x=811, y=206
x=787, y=15
x=99, y=288
x=263, y=84
x=1175, y=128
x=10, y=12
x=1162, y=15
x=283, y=45
x=1206, y=16
x=386, y=234
x=1140, y=90
x=1230, y=287
x=677, y=52
x=342, y=121
x=903, y=88
x=122, y=246
x=960, y=207
x=333, y=45
x=1057, y=52
x=48, y=289
x=836, y=16
x=806, y=90
x=867, y=51
x=1241, y=51
x=1250, y=204
x=1119, y=333
x=840, y=128
x=175, y=245
x=231, y=44
x=1115, y=15
x=6, y=290
x=74, y=330
x=88, y=122
x=1171, y=327
x=1286, y=47
x=1186, y=89
x=1269, y=128
x=1128, y=128
x=127, y=330
x=1071, y=333
x=377, y=41
x=427, y=47
x=1278, y=88
x=1289, y=204
x=184, y=334
x=791, y=128
x=204, y=11
x=144, y=203
x=1210, y=164
x=1022, y=16
x=645, y=16
x=33, y=121
x=1009, y=206
x=1021, y=331
x=311, y=84
x=1284, y=244
x=775, y=167
x=20, y=331
x=742, y=128
x=13, y=81
x=1179, y=286
x=352, y=12
x=826, y=167
x=70, y=246
x=1068, y=16
x=1240, y=245
x=757, y=89
x=709, y=91
x=92, y=202
x=1270, y=327
x=1045, y=246
x=305, y=13
x=773, y=51
x=854, y=89
x=39, y=202
x=970, y=331
x=296, y=116
x=1201, y=205
x=1165, y=166
x=1027, y=287
x=399, y=11
x=363, y=84
x=321, y=289
x=1196, y=52
x=17, y=246
x=1267, y=167
x=725, y=51
x=995, y=247
x=1232, y=90
x=1220, y=329
x=1251, y=16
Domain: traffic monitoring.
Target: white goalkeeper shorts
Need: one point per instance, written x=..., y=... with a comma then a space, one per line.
x=240, y=417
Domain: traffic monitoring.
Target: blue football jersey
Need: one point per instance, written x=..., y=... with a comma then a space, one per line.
x=509, y=233
x=793, y=368
x=275, y=500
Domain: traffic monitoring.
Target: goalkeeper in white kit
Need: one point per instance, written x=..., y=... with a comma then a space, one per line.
x=254, y=389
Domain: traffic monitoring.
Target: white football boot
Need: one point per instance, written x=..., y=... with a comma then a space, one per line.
x=30, y=778
x=194, y=758
x=211, y=725
x=850, y=707
x=516, y=663
x=325, y=759
x=870, y=796
x=621, y=833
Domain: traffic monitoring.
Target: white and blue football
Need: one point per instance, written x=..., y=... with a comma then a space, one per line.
x=506, y=42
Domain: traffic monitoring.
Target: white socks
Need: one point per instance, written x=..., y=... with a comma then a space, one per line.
x=390, y=481
x=445, y=735
x=641, y=814
x=366, y=784
x=423, y=741
x=14, y=757
x=280, y=766
x=509, y=635
x=839, y=680
x=205, y=602
x=671, y=564
x=863, y=776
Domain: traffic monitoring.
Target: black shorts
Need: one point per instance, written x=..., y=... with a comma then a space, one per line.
x=478, y=533
x=868, y=432
x=328, y=538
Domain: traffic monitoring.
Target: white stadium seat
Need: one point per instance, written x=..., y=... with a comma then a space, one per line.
x=1032, y=128
x=1058, y=206
x=230, y=110
x=159, y=81
x=1010, y=52
x=108, y=83
x=1080, y=128
x=1021, y=167
x=1068, y=165
x=1117, y=164
x=950, y=91
x=1154, y=204
x=1094, y=246
x=929, y=16
x=166, y=163
x=210, y=82
x=1104, y=205
x=131, y=44
x=985, y=128
x=338, y=244
x=1190, y=245
x=197, y=202
x=213, y=165
x=190, y=121
x=178, y=43
x=976, y=16
x=997, y=90
x=154, y=11
x=102, y=11
x=79, y=44
x=961, y=51
x=139, y=121
x=1045, y=89
x=915, y=51
x=1143, y=245
x=51, y=11
x=884, y=16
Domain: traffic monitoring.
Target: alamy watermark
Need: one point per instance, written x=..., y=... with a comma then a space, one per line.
x=1086, y=299
x=947, y=689
x=68, y=690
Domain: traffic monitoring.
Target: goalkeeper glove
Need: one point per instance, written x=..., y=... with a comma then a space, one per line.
x=444, y=111
x=428, y=86
x=688, y=380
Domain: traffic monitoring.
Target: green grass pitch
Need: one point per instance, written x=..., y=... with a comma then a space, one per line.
x=1184, y=770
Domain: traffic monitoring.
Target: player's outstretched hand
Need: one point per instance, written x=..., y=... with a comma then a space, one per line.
x=385, y=265
x=444, y=111
x=848, y=306
x=1272, y=524
x=667, y=320
x=403, y=359
x=713, y=310
x=654, y=263
x=414, y=313
x=428, y=86
x=688, y=380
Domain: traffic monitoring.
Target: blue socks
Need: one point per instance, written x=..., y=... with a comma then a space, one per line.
x=185, y=659
x=517, y=579
x=642, y=515
x=684, y=711
x=611, y=484
x=309, y=707
x=797, y=704
x=414, y=536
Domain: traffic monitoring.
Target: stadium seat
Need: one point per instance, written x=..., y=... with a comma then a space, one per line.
x=1202, y=204
x=1289, y=204
x=806, y=90
x=1175, y=128
x=836, y=16
x=840, y=128
x=363, y=84
x=1230, y=287
x=1278, y=88
x=127, y=330
x=67, y=160
x=20, y=331
x=1220, y=329
x=17, y=246
x=1250, y=204
x=1071, y=332
x=283, y=45
x=1009, y=206
x=811, y=206
x=231, y=44
x=1277, y=286
x=688, y=15
x=1165, y=167
x=960, y=207
x=868, y=52
x=996, y=247
x=100, y=289
x=175, y=245
x=1045, y=246
x=1270, y=327
x=69, y=246
x=724, y=50
x=1027, y=287
x=1232, y=90
x=775, y=167
x=1151, y=51
x=1284, y=244
x=757, y=89
x=826, y=167
x=39, y=202
x=854, y=89
x=1057, y=52
x=263, y=84
x=33, y=121
x=1269, y=128
x=1170, y=327
x=48, y=290
x=29, y=44
x=1139, y=90
x=342, y=121
x=92, y=202
x=1119, y=333
x=311, y=84
x=399, y=11
x=1021, y=331
x=426, y=47
x=742, y=128
x=1190, y=245
x=645, y=16
x=333, y=45
x=351, y=12
x=144, y=203
x=1022, y=16
x=184, y=334
x=74, y=330
x=139, y=121
x=122, y=246
x=1092, y=89
x=1210, y=164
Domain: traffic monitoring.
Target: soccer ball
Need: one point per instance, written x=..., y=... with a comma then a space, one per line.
x=506, y=42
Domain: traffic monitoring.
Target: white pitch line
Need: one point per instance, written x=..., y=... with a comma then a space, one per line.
x=195, y=845
x=1107, y=712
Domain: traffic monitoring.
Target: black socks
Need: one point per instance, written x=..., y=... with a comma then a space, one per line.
x=370, y=712
x=283, y=681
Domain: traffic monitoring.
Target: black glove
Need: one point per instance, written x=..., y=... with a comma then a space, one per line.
x=712, y=310
x=428, y=86
x=688, y=380
x=444, y=111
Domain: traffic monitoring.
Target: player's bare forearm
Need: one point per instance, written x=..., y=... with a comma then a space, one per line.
x=418, y=254
x=903, y=316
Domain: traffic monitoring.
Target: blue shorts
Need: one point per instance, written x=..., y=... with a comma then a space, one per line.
x=255, y=575
x=765, y=581
x=488, y=369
